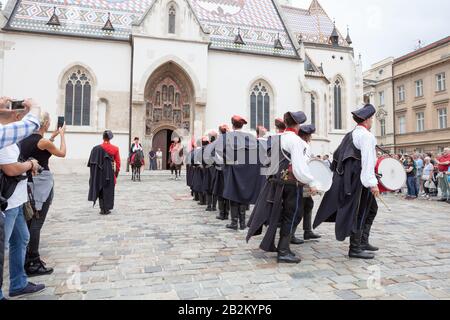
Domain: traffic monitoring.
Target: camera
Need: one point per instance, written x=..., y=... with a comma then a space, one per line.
x=17, y=105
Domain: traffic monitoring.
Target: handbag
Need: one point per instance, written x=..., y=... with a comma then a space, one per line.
x=430, y=185
x=29, y=209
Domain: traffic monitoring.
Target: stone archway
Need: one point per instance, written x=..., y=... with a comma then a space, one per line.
x=169, y=104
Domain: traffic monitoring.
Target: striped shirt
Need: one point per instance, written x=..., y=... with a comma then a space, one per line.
x=13, y=133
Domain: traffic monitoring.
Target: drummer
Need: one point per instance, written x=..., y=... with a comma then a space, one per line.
x=351, y=202
x=305, y=133
x=281, y=198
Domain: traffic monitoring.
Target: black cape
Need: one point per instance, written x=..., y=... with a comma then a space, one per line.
x=101, y=177
x=241, y=170
x=268, y=208
x=341, y=203
x=197, y=174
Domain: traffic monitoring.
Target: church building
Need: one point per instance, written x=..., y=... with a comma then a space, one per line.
x=148, y=68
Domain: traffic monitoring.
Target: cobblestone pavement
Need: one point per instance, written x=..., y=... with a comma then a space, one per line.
x=159, y=244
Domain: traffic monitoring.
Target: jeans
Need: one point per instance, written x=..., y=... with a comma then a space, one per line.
x=35, y=226
x=412, y=186
x=2, y=250
x=444, y=186
x=17, y=235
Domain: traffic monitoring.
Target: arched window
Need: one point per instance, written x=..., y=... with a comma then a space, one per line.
x=78, y=98
x=260, y=106
x=172, y=16
x=338, y=105
x=313, y=109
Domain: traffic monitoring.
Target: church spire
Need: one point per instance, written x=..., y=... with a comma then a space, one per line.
x=334, y=37
x=348, y=39
x=238, y=39
x=54, y=20
x=108, y=25
x=278, y=44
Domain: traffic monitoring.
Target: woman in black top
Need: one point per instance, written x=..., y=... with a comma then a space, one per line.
x=41, y=149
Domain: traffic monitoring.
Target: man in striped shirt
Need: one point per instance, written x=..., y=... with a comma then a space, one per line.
x=11, y=133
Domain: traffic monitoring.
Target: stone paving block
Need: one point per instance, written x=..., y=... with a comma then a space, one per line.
x=161, y=248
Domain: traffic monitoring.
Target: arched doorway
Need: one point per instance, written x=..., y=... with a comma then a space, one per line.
x=169, y=101
x=162, y=140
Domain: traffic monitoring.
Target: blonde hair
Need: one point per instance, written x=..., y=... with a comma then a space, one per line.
x=44, y=119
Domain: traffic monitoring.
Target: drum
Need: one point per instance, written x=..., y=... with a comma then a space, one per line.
x=322, y=174
x=391, y=174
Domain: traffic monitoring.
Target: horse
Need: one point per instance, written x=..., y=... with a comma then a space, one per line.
x=137, y=161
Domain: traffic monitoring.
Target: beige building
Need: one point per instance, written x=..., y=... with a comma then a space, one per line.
x=412, y=97
x=378, y=91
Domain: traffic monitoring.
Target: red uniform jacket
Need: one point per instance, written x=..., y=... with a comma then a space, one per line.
x=113, y=151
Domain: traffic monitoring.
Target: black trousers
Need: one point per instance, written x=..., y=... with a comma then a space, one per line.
x=2, y=247
x=35, y=226
x=307, y=208
x=291, y=213
x=366, y=215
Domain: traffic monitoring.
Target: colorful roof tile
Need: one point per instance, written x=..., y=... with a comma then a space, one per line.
x=312, y=25
x=260, y=23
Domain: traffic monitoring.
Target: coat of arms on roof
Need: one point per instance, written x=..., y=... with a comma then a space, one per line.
x=54, y=20
x=222, y=8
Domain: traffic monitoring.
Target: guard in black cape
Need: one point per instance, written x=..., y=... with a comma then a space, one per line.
x=210, y=172
x=198, y=176
x=219, y=183
x=280, y=201
x=190, y=167
x=103, y=176
x=239, y=150
x=351, y=201
x=305, y=133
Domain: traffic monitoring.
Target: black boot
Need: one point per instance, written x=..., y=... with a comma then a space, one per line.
x=356, y=250
x=221, y=215
x=309, y=235
x=294, y=239
x=234, y=217
x=214, y=203
x=208, y=202
x=196, y=196
x=365, y=245
x=202, y=199
x=36, y=267
x=242, y=225
x=284, y=252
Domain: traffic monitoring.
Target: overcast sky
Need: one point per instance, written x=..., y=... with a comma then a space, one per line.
x=383, y=28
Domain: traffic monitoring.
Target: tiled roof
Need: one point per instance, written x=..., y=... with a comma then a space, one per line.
x=79, y=17
x=312, y=25
x=259, y=22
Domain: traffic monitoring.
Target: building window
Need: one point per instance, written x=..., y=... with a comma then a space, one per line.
x=420, y=121
x=419, y=88
x=383, y=127
x=442, y=117
x=78, y=98
x=402, y=125
x=337, y=105
x=313, y=109
x=381, y=97
x=441, y=150
x=401, y=93
x=440, y=82
x=260, y=106
x=172, y=16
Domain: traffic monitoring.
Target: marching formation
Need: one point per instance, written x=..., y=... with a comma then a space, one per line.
x=232, y=170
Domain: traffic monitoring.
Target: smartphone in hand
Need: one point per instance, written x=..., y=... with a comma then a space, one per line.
x=17, y=105
x=61, y=121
